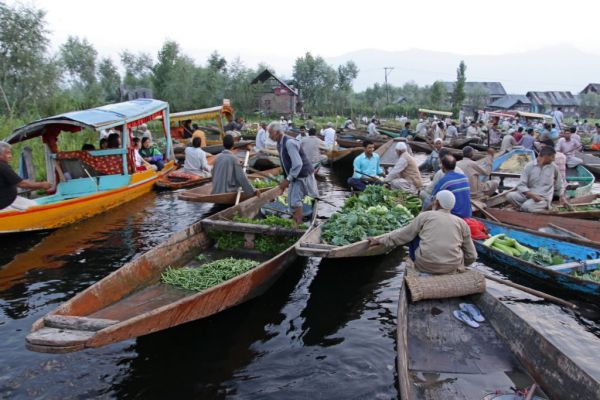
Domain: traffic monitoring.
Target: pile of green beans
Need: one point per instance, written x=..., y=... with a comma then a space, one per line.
x=207, y=275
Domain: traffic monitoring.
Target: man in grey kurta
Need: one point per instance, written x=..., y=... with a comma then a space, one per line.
x=227, y=172
x=539, y=181
x=444, y=240
x=298, y=170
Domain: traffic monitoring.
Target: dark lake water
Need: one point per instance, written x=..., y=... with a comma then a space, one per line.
x=325, y=330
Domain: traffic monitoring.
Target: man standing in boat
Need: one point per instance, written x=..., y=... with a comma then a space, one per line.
x=9, y=181
x=539, y=181
x=298, y=170
x=439, y=242
x=227, y=172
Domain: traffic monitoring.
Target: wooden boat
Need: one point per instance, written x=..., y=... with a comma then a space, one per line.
x=577, y=212
x=311, y=246
x=510, y=165
x=340, y=154
x=457, y=153
x=89, y=182
x=132, y=301
x=591, y=162
x=560, y=279
x=180, y=179
x=213, y=113
x=203, y=194
x=573, y=227
x=357, y=136
x=441, y=358
x=387, y=153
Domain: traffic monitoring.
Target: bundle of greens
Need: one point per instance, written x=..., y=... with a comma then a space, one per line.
x=541, y=256
x=375, y=211
x=593, y=276
x=208, y=275
x=267, y=244
x=260, y=183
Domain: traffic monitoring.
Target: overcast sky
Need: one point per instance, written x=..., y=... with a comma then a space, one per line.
x=277, y=32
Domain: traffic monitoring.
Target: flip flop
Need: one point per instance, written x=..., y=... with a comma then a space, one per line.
x=464, y=317
x=472, y=310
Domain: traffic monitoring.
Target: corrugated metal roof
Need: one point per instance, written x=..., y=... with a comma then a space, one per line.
x=266, y=74
x=95, y=118
x=508, y=101
x=553, y=98
x=494, y=88
x=591, y=87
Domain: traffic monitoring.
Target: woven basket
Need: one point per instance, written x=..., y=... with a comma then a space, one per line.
x=443, y=286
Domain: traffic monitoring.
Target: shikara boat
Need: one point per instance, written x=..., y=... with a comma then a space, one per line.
x=132, y=301
x=559, y=277
x=441, y=358
x=88, y=182
x=205, y=114
x=576, y=228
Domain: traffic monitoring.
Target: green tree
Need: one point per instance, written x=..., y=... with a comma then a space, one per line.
x=217, y=63
x=78, y=58
x=28, y=76
x=590, y=105
x=163, y=70
x=317, y=80
x=109, y=79
x=138, y=69
x=458, y=95
x=437, y=95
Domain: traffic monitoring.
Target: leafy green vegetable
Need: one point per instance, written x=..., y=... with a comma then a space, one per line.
x=542, y=256
x=208, y=275
x=373, y=212
x=593, y=276
x=261, y=183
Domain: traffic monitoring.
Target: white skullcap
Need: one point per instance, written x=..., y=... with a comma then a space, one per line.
x=438, y=140
x=446, y=199
x=143, y=126
x=420, y=119
x=401, y=146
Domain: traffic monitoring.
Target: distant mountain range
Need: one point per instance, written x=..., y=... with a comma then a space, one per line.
x=561, y=67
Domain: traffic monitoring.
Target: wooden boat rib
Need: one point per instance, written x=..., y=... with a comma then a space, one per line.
x=586, y=228
x=203, y=194
x=310, y=246
x=442, y=358
x=570, y=249
x=132, y=302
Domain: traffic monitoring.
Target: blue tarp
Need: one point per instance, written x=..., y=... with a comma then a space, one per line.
x=94, y=118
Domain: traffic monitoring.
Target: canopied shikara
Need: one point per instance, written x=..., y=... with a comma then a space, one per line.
x=216, y=114
x=89, y=182
x=132, y=301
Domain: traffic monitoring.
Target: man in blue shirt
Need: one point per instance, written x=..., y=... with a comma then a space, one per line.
x=458, y=184
x=366, y=168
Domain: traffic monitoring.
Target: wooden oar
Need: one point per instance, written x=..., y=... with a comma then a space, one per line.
x=239, y=192
x=534, y=292
x=484, y=212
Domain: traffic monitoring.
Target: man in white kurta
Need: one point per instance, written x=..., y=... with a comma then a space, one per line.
x=405, y=174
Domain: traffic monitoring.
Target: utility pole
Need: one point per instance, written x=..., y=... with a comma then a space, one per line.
x=387, y=88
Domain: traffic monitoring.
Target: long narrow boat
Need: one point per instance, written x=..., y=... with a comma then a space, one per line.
x=582, y=207
x=387, y=153
x=588, y=229
x=340, y=154
x=310, y=246
x=132, y=301
x=88, y=182
x=441, y=358
x=203, y=194
x=559, y=278
x=591, y=162
x=457, y=153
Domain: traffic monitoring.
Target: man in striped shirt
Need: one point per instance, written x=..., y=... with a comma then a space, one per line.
x=458, y=184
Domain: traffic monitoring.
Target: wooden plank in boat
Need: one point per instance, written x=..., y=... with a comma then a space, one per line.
x=58, y=337
x=250, y=228
x=77, y=323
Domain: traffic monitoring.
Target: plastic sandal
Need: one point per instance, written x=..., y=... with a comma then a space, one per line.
x=464, y=317
x=472, y=310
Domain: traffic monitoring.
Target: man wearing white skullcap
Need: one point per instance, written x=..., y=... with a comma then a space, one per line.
x=405, y=175
x=439, y=242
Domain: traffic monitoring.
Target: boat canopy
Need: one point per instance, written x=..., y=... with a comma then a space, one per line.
x=444, y=113
x=499, y=114
x=533, y=115
x=133, y=113
x=204, y=114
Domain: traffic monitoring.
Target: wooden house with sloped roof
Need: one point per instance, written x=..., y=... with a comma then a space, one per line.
x=276, y=96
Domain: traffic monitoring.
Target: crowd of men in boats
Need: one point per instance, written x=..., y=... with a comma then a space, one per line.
x=449, y=193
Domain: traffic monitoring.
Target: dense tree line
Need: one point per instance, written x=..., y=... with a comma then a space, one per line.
x=35, y=82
